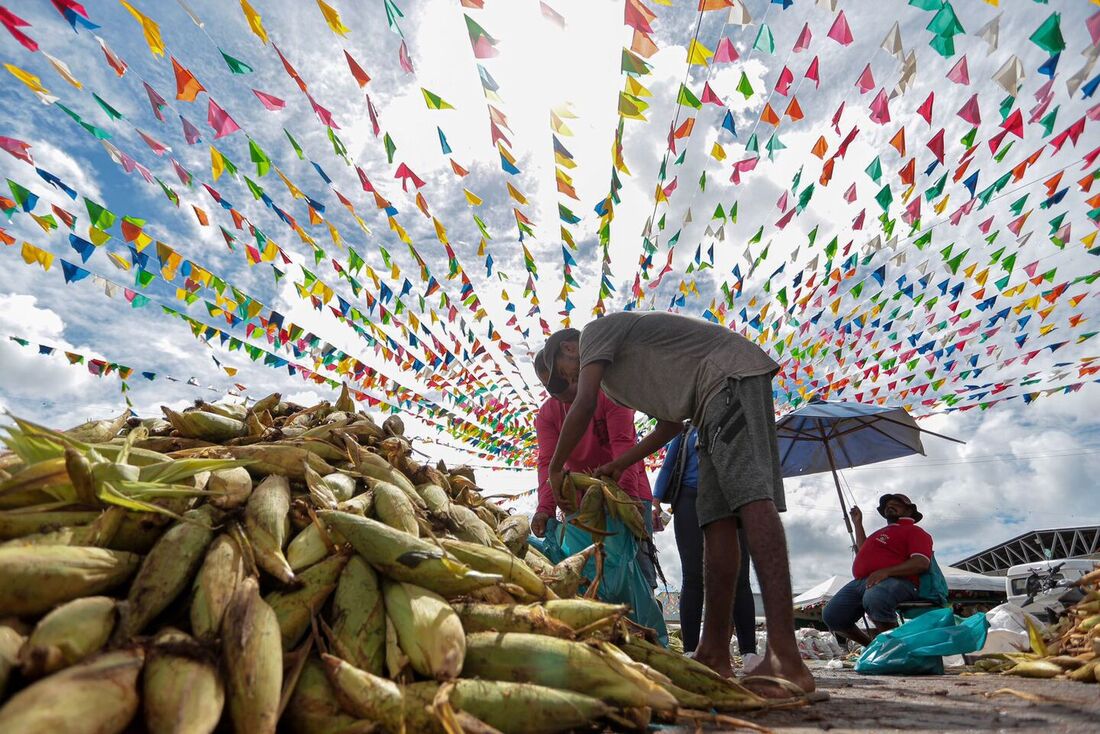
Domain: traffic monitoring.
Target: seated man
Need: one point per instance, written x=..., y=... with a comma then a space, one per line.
x=611, y=432
x=887, y=570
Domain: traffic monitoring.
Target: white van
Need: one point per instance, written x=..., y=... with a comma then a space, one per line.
x=1040, y=584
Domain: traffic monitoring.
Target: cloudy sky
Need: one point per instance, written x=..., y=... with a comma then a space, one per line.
x=1022, y=467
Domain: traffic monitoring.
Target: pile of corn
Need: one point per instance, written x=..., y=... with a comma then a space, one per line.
x=1069, y=649
x=274, y=565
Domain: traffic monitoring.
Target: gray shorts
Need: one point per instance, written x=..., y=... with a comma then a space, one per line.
x=737, y=449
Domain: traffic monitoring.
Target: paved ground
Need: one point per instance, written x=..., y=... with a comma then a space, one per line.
x=948, y=703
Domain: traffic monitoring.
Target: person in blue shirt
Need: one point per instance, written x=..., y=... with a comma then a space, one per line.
x=684, y=471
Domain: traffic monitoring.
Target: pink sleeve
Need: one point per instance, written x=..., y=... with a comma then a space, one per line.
x=547, y=435
x=920, y=543
x=622, y=436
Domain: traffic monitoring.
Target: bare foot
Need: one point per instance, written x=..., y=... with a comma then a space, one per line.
x=794, y=671
x=720, y=663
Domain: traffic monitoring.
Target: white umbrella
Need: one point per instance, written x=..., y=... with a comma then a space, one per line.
x=822, y=592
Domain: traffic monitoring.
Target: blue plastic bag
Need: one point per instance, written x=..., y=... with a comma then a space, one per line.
x=622, y=581
x=918, y=646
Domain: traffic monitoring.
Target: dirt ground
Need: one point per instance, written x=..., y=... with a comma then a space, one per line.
x=947, y=703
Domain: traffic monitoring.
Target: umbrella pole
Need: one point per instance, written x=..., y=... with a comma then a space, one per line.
x=840, y=496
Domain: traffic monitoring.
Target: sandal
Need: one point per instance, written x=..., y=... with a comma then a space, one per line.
x=798, y=696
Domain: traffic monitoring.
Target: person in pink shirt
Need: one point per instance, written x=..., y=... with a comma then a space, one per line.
x=610, y=433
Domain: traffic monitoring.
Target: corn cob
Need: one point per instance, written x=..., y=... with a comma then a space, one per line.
x=1086, y=673
x=309, y=547
x=402, y=557
x=566, y=577
x=266, y=524
x=11, y=642
x=182, y=691
x=231, y=487
x=206, y=426
x=67, y=635
x=38, y=578
x=166, y=571
x=377, y=468
x=219, y=576
x=98, y=696
x=557, y=663
x=294, y=608
x=1035, y=669
x=359, y=617
x=314, y=708
x=17, y=524
x=393, y=507
x=253, y=655
x=435, y=497
x=367, y=696
x=533, y=618
x=428, y=630
x=513, y=532
x=496, y=561
x=99, y=431
x=281, y=459
x=470, y=527
x=694, y=677
x=579, y=614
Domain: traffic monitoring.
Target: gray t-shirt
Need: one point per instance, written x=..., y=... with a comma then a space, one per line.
x=667, y=365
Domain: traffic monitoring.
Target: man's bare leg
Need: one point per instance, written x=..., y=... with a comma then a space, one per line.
x=721, y=563
x=856, y=635
x=768, y=548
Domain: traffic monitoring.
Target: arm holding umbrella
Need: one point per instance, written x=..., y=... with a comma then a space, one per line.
x=857, y=522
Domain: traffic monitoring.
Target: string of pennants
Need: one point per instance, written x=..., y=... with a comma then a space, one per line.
x=958, y=277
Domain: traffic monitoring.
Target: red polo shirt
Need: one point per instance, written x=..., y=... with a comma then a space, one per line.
x=890, y=546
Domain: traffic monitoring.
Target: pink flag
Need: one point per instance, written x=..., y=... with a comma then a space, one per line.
x=322, y=114
x=13, y=23
x=1014, y=124
x=925, y=110
x=936, y=145
x=840, y=32
x=959, y=73
x=269, y=101
x=912, y=212
x=880, y=108
x=182, y=173
x=155, y=145
x=858, y=222
x=220, y=120
x=155, y=100
x=782, y=203
x=17, y=148
x=483, y=49
x=190, y=132
x=866, y=81
x=970, y=111
x=783, y=84
x=984, y=226
x=836, y=117
x=725, y=53
x=404, y=58
x=803, y=41
x=850, y=194
x=812, y=73
x=1093, y=24
x=709, y=97
x=784, y=220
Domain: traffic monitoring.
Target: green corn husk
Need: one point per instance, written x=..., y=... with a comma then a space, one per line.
x=206, y=426
x=222, y=571
x=38, y=578
x=496, y=561
x=504, y=705
x=402, y=557
x=98, y=696
x=685, y=673
x=539, y=563
x=579, y=614
x=428, y=630
x=16, y=524
x=557, y=663
x=568, y=576
x=1035, y=669
x=393, y=507
x=280, y=459
x=230, y=487
x=513, y=532
x=11, y=642
x=294, y=608
x=532, y=618
x=378, y=469
x=359, y=617
x=435, y=497
x=182, y=691
x=314, y=709
x=309, y=547
x=253, y=657
x=470, y=527
x=267, y=524
x=100, y=431
x=67, y=635
x=167, y=570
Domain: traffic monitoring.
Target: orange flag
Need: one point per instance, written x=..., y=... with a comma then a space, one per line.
x=769, y=116
x=187, y=86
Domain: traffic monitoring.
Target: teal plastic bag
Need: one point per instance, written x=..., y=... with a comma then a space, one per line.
x=622, y=581
x=933, y=585
x=918, y=646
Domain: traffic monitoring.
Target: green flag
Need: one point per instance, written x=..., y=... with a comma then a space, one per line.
x=236, y=65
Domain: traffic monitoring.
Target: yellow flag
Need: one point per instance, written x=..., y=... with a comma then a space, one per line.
x=635, y=87
x=32, y=255
x=217, y=168
x=718, y=153
x=332, y=17
x=698, y=54
x=253, y=19
x=98, y=236
x=440, y=232
x=942, y=204
x=149, y=28
x=471, y=197
x=515, y=194
x=32, y=82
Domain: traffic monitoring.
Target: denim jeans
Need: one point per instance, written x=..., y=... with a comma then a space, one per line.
x=880, y=602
